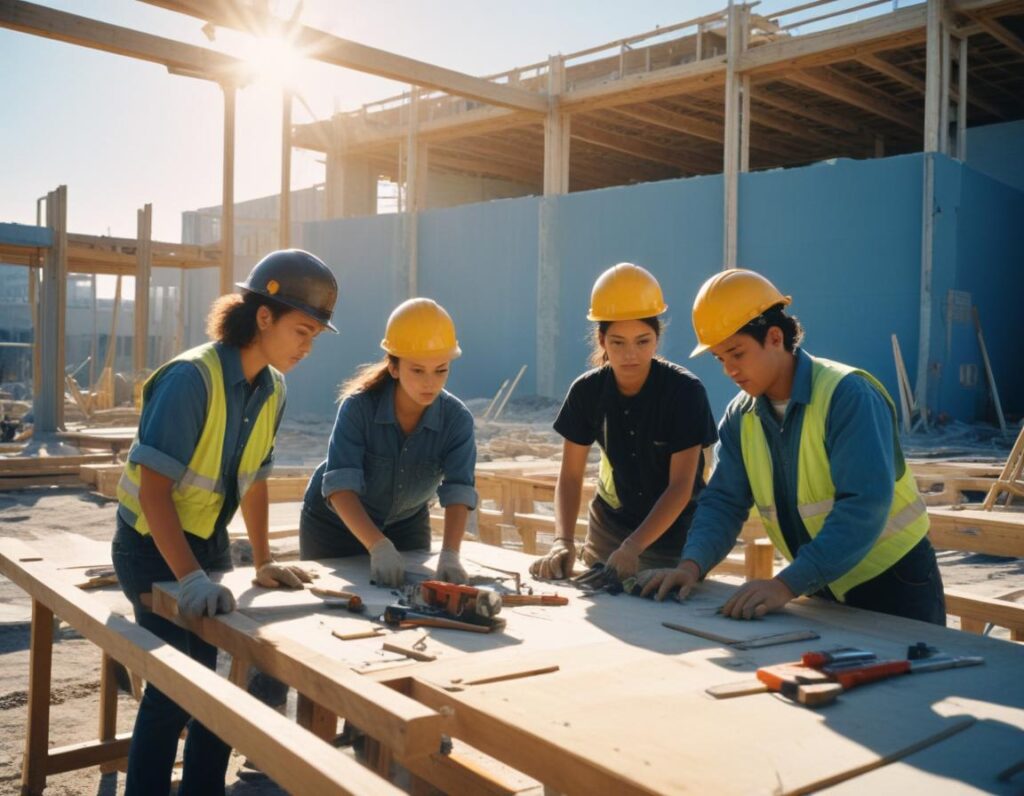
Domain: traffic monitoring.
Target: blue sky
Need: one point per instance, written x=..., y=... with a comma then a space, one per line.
x=121, y=132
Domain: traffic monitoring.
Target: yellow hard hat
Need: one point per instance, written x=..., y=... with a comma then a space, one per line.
x=626, y=292
x=420, y=327
x=727, y=302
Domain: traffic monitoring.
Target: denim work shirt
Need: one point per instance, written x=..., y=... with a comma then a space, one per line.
x=175, y=412
x=864, y=460
x=396, y=475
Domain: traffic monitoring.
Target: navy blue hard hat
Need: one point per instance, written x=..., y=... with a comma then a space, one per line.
x=297, y=279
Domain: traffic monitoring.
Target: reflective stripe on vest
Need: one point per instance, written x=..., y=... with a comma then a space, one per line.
x=199, y=494
x=907, y=522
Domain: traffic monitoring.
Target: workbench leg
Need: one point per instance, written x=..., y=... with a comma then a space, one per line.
x=759, y=559
x=315, y=718
x=968, y=625
x=37, y=737
x=239, y=672
x=378, y=757
x=108, y=706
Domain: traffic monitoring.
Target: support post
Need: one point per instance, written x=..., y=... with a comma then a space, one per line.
x=143, y=266
x=961, y=103
x=556, y=132
x=933, y=98
x=49, y=391
x=227, y=207
x=37, y=735
x=731, y=137
x=285, y=223
x=415, y=189
x=745, y=99
x=946, y=68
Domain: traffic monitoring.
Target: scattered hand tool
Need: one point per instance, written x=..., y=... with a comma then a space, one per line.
x=515, y=576
x=406, y=616
x=800, y=683
x=534, y=599
x=601, y=578
x=852, y=676
x=840, y=655
x=748, y=643
x=460, y=602
x=334, y=598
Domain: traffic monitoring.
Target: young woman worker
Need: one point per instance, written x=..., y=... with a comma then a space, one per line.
x=205, y=447
x=399, y=438
x=649, y=417
x=814, y=445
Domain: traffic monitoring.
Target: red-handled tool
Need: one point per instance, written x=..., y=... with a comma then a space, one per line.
x=852, y=677
x=841, y=656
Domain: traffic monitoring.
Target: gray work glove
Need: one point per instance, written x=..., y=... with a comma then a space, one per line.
x=200, y=596
x=271, y=575
x=449, y=568
x=387, y=567
x=557, y=563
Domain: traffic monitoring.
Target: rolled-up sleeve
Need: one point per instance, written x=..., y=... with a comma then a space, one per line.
x=459, y=464
x=346, y=451
x=725, y=503
x=171, y=421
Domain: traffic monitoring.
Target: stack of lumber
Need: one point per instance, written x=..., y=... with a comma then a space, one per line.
x=17, y=472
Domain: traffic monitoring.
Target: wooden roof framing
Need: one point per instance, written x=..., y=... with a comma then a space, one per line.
x=654, y=111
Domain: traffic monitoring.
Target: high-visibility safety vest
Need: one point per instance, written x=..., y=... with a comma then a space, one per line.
x=199, y=493
x=907, y=522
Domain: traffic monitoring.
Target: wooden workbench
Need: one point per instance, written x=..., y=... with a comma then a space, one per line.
x=617, y=702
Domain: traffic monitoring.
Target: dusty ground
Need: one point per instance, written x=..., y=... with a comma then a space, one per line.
x=67, y=523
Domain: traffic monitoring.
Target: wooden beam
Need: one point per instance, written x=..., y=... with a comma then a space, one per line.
x=283, y=750
x=852, y=93
x=798, y=108
x=73, y=29
x=646, y=86
x=335, y=50
x=655, y=153
x=998, y=31
x=556, y=133
x=144, y=262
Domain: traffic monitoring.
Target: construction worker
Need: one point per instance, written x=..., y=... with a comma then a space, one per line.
x=814, y=445
x=399, y=439
x=205, y=447
x=650, y=418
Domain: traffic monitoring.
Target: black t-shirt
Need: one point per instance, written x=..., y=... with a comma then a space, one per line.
x=637, y=436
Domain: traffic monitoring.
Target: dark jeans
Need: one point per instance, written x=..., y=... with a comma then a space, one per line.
x=159, y=722
x=911, y=588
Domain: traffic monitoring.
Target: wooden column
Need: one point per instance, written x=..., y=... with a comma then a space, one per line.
x=731, y=142
x=285, y=222
x=961, y=103
x=37, y=735
x=415, y=190
x=49, y=391
x=932, y=97
x=945, y=65
x=227, y=207
x=143, y=266
x=556, y=182
x=744, y=99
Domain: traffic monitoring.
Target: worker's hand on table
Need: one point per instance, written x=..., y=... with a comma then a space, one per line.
x=756, y=598
x=662, y=582
x=271, y=575
x=200, y=596
x=557, y=563
x=387, y=567
x=625, y=560
x=449, y=568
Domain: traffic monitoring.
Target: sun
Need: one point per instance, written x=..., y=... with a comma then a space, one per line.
x=272, y=59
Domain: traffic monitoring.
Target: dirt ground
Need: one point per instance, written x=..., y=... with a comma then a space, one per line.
x=69, y=523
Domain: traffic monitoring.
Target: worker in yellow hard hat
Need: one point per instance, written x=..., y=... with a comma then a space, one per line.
x=813, y=444
x=203, y=449
x=651, y=420
x=399, y=439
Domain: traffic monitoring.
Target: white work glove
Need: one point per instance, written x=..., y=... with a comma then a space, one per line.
x=200, y=596
x=271, y=575
x=449, y=568
x=625, y=560
x=387, y=567
x=557, y=563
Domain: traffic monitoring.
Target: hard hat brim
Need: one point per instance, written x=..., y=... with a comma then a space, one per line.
x=625, y=316
x=305, y=309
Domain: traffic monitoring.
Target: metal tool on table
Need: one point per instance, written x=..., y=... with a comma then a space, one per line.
x=435, y=603
x=852, y=676
x=460, y=601
x=403, y=616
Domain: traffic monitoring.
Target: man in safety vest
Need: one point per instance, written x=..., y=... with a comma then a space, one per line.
x=813, y=445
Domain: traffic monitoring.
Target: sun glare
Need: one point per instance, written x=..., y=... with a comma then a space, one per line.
x=273, y=59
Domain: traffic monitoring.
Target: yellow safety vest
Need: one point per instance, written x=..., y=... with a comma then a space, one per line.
x=199, y=493
x=908, y=517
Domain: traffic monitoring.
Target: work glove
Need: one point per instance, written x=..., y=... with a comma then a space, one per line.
x=449, y=568
x=200, y=596
x=625, y=560
x=387, y=567
x=271, y=575
x=557, y=563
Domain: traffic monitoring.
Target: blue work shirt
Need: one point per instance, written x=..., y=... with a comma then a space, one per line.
x=395, y=475
x=864, y=460
x=175, y=412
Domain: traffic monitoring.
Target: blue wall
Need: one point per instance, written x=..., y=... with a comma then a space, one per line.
x=842, y=237
x=998, y=151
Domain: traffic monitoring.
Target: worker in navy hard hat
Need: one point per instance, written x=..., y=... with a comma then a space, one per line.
x=204, y=448
x=400, y=439
x=651, y=421
x=813, y=444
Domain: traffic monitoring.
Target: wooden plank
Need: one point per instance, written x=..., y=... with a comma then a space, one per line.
x=393, y=719
x=976, y=531
x=89, y=753
x=335, y=50
x=280, y=748
x=985, y=610
x=833, y=85
x=315, y=718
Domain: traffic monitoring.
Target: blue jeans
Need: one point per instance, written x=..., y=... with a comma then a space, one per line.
x=160, y=720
